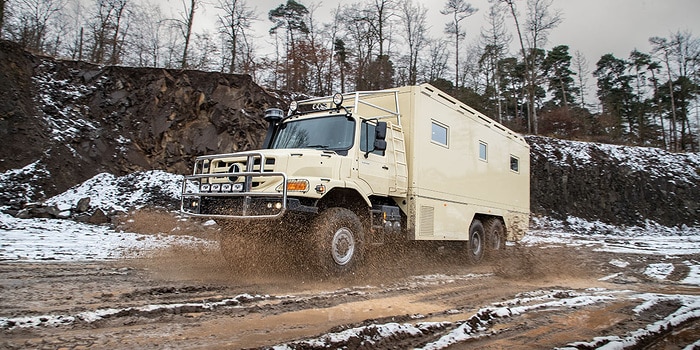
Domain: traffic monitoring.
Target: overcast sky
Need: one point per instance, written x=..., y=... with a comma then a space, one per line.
x=594, y=27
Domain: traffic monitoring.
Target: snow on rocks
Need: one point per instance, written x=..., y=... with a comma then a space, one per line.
x=112, y=193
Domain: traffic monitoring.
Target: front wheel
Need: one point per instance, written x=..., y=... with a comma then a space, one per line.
x=339, y=240
x=477, y=242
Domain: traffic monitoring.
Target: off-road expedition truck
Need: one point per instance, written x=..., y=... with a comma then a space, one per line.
x=373, y=167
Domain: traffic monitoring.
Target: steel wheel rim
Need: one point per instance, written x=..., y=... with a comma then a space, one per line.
x=475, y=243
x=342, y=246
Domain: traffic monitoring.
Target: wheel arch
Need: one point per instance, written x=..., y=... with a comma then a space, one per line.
x=348, y=198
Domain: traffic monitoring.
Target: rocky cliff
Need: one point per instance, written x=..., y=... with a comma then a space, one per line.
x=614, y=184
x=72, y=120
x=62, y=122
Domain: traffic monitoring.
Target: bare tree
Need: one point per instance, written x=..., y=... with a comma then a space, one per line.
x=203, y=55
x=359, y=42
x=540, y=20
x=495, y=40
x=108, y=30
x=383, y=10
x=663, y=47
x=147, y=42
x=459, y=10
x=234, y=24
x=319, y=52
x=436, y=63
x=413, y=16
x=33, y=22
x=332, y=30
x=186, y=22
x=582, y=70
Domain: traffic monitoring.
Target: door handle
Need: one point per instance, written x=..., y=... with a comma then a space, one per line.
x=385, y=167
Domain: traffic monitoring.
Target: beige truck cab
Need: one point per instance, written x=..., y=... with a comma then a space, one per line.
x=373, y=167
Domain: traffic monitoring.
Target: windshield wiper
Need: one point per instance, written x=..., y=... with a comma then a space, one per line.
x=318, y=146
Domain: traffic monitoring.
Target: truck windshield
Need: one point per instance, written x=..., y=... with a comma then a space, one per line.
x=334, y=133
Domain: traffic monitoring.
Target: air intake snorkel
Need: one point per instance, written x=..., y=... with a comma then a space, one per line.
x=273, y=116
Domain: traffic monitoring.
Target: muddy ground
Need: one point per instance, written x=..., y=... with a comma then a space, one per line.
x=189, y=298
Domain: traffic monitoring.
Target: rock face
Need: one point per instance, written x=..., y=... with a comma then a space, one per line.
x=614, y=184
x=62, y=122
x=78, y=119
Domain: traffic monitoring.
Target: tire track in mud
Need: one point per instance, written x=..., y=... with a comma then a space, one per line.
x=178, y=303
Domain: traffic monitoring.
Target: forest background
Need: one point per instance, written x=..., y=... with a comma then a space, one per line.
x=508, y=69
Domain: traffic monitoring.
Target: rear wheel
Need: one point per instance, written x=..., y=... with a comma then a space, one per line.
x=338, y=240
x=495, y=234
x=477, y=242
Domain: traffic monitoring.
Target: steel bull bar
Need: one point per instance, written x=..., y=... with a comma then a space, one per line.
x=219, y=197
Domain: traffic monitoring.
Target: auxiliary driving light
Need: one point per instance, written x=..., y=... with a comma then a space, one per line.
x=226, y=188
x=204, y=188
x=215, y=187
x=338, y=99
x=276, y=205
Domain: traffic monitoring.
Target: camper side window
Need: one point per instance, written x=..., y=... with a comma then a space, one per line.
x=514, y=164
x=439, y=134
x=483, y=150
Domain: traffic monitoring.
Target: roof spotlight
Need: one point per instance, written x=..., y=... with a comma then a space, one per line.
x=338, y=99
x=293, y=106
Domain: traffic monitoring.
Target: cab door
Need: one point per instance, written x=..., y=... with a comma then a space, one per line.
x=374, y=167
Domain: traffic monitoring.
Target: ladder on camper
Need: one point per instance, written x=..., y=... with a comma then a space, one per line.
x=400, y=187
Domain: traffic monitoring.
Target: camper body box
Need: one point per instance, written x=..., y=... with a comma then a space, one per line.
x=460, y=165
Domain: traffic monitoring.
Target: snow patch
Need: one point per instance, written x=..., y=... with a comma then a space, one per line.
x=96, y=315
x=112, y=193
x=659, y=270
x=65, y=240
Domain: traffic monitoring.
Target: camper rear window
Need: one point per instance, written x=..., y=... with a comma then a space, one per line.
x=483, y=150
x=514, y=164
x=439, y=134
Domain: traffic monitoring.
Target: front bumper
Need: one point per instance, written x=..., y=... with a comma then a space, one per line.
x=237, y=200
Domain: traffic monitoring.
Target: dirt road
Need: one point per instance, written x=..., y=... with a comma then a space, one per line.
x=533, y=297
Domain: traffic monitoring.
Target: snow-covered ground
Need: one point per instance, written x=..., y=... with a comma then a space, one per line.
x=65, y=240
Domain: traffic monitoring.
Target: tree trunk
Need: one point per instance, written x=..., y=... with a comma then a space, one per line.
x=188, y=34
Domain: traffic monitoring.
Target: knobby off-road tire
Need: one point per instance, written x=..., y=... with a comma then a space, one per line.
x=495, y=235
x=475, y=247
x=338, y=239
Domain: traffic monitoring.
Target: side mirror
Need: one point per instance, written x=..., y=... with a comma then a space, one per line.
x=380, y=133
x=379, y=145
